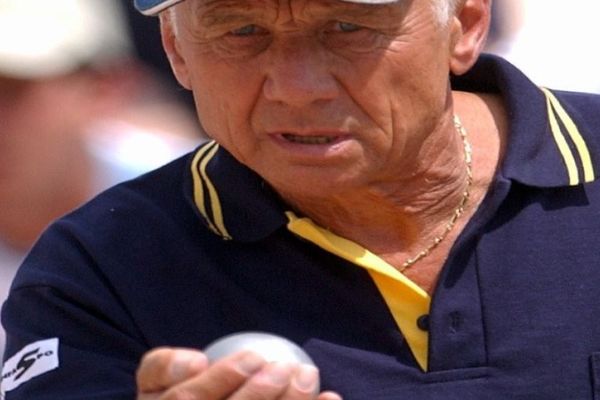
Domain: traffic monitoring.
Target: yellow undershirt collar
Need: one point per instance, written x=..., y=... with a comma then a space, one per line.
x=405, y=300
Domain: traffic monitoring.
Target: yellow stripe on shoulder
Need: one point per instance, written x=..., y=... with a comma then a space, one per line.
x=555, y=112
x=203, y=184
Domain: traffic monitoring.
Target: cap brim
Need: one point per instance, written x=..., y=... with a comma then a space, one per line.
x=153, y=7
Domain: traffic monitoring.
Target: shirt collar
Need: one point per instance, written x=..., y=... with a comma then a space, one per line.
x=234, y=202
x=550, y=144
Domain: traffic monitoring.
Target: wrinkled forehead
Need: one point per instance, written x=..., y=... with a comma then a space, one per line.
x=153, y=7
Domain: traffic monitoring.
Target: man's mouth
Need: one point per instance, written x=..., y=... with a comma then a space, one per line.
x=302, y=139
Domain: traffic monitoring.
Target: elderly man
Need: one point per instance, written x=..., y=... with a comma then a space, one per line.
x=421, y=219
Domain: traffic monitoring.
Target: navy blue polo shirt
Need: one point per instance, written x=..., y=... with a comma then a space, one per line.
x=202, y=248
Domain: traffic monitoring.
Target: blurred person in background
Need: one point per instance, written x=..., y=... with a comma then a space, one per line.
x=78, y=113
x=552, y=43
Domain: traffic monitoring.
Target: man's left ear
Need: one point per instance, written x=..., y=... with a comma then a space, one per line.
x=469, y=30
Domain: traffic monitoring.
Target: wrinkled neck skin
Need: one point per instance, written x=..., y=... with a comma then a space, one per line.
x=397, y=218
x=382, y=214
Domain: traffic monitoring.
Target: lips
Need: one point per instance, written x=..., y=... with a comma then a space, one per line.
x=309, y=139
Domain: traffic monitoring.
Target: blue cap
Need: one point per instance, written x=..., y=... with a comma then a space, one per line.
x=153, y=7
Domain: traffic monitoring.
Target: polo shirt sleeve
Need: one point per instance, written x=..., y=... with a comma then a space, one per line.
x=69, y=336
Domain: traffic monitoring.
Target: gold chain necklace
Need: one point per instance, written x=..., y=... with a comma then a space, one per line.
x=458, y=211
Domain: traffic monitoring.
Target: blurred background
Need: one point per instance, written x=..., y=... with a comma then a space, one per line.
x=552, y=41
x=145, y=33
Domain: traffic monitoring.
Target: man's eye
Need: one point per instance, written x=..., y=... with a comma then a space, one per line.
x=248, y=30
x=347, y=27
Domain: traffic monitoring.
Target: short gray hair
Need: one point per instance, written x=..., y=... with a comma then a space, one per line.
x=444, y=10
x=172, y=17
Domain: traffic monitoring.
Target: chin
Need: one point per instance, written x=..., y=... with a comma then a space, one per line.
x=315, y=185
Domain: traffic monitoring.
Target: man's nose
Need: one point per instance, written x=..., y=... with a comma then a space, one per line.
x=299, y=73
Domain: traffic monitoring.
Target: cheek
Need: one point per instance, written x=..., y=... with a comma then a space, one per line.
x=421, y=79
x=225, y=95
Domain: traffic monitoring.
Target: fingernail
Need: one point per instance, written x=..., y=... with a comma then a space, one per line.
x=306, y=378
x=278, y=374
x=250, y=363
x=184, y=362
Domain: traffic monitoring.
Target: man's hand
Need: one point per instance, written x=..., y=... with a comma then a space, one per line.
x=183, y=374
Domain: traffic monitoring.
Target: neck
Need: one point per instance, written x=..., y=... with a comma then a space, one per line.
x=398, y=215
x=398, y=218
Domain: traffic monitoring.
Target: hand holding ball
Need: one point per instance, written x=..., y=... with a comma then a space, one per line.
x=270, y=347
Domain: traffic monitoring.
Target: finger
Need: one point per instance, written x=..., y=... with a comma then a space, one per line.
x=148, y=396
x=303, y=384
x=163, y=368
x=271, y=382
x=329, y=396
x=219, y=380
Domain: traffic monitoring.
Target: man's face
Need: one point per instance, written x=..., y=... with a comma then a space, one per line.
x=317, y=95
